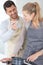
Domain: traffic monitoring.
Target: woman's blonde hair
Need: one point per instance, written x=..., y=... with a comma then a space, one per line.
x=33, y=8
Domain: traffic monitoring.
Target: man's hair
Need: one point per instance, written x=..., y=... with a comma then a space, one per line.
x=8, y=4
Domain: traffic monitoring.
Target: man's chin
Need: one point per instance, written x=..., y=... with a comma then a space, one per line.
x=14, y=17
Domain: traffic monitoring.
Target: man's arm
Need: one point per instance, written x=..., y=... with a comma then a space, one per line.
x=6, y=36
x=5, y=33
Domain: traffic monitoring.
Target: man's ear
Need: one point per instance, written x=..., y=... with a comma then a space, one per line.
x=6, y=11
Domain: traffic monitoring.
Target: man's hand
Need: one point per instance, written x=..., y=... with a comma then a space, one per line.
x=4, y=60
x=13, y=26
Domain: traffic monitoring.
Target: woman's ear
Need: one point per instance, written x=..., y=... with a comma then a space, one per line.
x=32, y=15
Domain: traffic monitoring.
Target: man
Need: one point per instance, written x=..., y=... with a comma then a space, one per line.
x=13, y=30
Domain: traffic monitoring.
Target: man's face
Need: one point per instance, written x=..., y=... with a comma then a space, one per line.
x=12, y=12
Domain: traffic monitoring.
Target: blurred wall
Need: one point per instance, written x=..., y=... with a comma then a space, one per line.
x=20, y=4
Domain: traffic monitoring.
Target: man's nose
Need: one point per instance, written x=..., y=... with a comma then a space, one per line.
x=12, y=12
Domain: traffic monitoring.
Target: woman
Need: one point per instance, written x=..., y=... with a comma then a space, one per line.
x=34, y=38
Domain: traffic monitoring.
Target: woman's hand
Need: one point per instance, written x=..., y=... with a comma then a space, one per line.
x=34, y=56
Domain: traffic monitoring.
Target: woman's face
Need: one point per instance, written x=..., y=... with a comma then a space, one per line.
x=27, y=16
